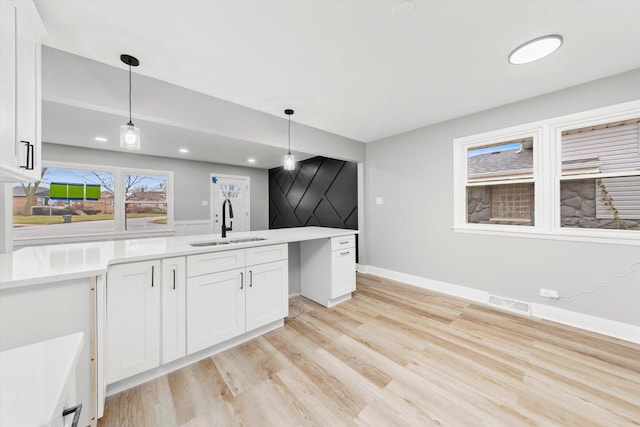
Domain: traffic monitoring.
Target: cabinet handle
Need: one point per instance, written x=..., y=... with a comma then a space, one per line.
x=73, y=410
x=32, y=152
x=174, y=279
x=241, y=280
x=344, y=243
x=345, y=253
x=152, y=274
x=250, y=279
x=26, y=165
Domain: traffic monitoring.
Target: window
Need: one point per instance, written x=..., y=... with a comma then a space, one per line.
x=74, y=202
x=600, y=182
x=572, y=177
x=500, y=183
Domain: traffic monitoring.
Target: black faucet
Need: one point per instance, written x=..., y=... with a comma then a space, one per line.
x=224, y=217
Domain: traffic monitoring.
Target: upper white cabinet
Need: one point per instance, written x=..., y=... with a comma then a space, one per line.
x=328, y=269
x=133, y=319
x=20, y=94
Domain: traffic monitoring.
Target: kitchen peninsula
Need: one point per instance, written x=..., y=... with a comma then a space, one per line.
x=153, y=305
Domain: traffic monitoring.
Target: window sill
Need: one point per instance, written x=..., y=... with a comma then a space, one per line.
x=55, y=240
x=614, y=237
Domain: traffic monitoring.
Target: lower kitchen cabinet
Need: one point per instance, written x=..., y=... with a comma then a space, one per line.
x=226, y=304
x=216, y=308
x=174, y=287
x=328, y=269
x=267, y=293
x=133, y=319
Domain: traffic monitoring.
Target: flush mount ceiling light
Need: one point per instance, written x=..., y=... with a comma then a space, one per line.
x=289, y=159
x=403, y=8
x=184, y=150
x=251, y=160
x=129, y=134
x=100, y=139
x=535, y=49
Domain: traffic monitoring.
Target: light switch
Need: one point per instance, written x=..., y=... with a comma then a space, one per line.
x=379, y=201
x=205, y=203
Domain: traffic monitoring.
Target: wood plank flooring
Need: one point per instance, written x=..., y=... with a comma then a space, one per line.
x=399, y=355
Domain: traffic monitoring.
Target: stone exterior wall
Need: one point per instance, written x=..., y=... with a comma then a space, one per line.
x=478, y=204
x=578, y=207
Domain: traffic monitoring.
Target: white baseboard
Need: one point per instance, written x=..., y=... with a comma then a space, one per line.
x=612, y=328
x=294, y=294
x=434, y=285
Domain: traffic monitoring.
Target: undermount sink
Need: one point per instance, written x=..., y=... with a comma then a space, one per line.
x=227, y=242
x=217, y=242
x=248, y=239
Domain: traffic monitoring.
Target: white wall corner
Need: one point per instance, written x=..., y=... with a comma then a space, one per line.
x=612, y=328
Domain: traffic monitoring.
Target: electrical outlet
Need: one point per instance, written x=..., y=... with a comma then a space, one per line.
x=549, y=293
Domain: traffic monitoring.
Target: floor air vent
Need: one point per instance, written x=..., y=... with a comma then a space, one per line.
x=509, y=304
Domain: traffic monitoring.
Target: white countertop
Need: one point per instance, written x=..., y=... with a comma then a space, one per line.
x=34, y=378
x=45, y=264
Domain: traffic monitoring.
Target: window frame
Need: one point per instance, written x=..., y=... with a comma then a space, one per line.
x=119, y=208
x=547, y=177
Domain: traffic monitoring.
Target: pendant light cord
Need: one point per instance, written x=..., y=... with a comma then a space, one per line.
x=289, y=134
x=130, y=123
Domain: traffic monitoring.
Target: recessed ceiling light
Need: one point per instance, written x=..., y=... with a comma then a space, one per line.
x=184, y=150
x=251, y=160
x=101, y=139
x=535, y=49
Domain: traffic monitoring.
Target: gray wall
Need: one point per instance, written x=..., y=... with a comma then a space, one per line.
x=412, y=231
x=191, y=179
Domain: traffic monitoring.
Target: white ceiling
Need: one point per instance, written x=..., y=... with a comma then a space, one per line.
x=352, y=67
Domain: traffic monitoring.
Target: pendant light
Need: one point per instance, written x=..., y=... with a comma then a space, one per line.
x=129, y=134
x=289, y=159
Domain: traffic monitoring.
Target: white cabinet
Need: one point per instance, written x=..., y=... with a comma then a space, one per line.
x=267, y=293
x=20, y=94
x=226, y=298
x=328, y=269
x=133, y=319
x=174, y=286
x=216, y=308
x=343, y=272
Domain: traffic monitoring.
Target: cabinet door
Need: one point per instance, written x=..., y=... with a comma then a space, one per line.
x=216, y=308
x=8, y=160
x=27, y=94
x=174, y=285
x=343, y=272
x=267, y=293
x=133, y=319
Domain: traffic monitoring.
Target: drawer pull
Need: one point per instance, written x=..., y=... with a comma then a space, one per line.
x=73, y=410
x=345, y=253
x=344, y=242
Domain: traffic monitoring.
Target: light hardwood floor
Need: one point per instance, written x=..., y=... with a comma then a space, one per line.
x=398, y=355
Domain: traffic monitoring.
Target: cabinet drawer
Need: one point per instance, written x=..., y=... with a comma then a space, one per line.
x=264, y=254
x=198, y=265
x=343, y=242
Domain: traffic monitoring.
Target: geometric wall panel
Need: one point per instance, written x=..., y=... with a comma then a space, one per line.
x=320, y=191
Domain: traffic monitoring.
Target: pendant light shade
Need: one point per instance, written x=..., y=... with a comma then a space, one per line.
x=289, y=159
x=129, y=133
